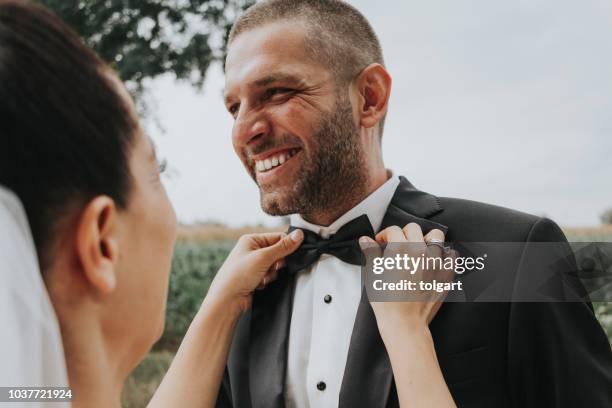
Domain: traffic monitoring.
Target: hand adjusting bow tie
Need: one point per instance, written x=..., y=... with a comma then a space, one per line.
x=343, y=245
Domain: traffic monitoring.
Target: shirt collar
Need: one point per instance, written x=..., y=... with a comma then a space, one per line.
x=374, y=206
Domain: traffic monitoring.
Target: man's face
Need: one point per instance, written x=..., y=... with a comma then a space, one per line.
x=295, y=130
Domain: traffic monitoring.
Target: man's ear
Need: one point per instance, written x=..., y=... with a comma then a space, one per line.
x=97, y=246
x=374, y=85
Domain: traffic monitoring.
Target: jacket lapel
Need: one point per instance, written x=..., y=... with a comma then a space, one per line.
x=368, y=376
x=269, y=336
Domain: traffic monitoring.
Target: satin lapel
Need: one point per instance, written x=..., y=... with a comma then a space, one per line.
x=271, y=316
x=397, y=216
x=368, y=375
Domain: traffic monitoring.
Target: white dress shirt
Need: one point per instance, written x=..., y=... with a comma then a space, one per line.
x=325, y=303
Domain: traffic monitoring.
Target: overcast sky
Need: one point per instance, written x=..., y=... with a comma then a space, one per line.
x=504, y=102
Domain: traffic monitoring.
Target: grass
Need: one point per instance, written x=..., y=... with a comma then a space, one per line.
x=218, y=232
x=602, y=233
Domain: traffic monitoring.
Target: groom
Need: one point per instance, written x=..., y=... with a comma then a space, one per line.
x=308, y=91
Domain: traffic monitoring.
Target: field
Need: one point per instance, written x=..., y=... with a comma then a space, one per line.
x=198, y=254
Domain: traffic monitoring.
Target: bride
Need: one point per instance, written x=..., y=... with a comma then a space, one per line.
x=103, y=230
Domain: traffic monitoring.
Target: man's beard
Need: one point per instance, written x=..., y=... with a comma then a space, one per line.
x=331, y=176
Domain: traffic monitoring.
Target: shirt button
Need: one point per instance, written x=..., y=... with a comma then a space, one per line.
x=321, y=386
x=327, y=299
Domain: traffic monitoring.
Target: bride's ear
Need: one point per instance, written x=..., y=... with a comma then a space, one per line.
x=97, y=245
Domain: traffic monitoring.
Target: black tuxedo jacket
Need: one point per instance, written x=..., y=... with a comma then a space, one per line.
x=491, y=354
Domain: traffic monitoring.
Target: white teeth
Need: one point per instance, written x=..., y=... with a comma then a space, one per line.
x=271, y=162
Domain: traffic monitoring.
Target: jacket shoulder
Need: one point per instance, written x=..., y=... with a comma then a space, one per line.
x=476, y=221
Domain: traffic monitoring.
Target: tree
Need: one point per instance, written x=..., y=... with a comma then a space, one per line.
x=147, y=38
x=606, y=217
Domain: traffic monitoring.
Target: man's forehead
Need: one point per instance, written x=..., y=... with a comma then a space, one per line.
x=270, y=36
x=279, y=41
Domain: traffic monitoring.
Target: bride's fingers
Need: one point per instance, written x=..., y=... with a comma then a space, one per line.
x=435, y=242
x=414, y=235
x=370, y=247
x=265, y=239
x=434, y=234
x=270, y=276
x=283, y=247
x=280, y=264
x=413, y=232
x=391, y=234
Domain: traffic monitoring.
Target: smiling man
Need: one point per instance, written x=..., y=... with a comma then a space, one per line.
x=308, y=91
x=317, y=163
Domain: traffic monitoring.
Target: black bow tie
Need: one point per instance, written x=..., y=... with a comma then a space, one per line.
x=343, y=245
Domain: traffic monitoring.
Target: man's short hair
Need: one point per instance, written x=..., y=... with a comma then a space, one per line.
x=339, y=36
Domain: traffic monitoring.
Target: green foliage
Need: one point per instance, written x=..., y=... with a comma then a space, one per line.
x=193, y=268
x=144, y=380
x=144, y=39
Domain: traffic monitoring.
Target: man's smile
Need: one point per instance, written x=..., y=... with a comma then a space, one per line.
x=270, y=165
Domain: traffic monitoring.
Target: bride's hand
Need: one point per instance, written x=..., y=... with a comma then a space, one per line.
x=253, y=263
x=424, y=304
x=403, y=326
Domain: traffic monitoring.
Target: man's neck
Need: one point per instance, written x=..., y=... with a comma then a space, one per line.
x=326, y=216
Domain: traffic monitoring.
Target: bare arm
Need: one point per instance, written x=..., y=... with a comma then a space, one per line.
x=195, y=375
x=196, y=372
x=418, y=377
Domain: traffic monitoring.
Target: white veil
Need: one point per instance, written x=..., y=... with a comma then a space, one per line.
x=31, y=351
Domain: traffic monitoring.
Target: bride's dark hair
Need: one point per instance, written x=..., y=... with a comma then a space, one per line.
x=65, y=131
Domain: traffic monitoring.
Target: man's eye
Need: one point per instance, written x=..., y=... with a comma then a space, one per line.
x=233, y=109
x=276, y=91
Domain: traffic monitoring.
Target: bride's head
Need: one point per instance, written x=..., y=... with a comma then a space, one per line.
x=72, y=150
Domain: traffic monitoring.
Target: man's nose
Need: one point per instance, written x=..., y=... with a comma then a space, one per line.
x=248, y=127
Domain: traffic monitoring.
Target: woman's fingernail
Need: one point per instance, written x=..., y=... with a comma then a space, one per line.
x=296, y=235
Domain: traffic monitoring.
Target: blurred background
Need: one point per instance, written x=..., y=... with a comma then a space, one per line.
x=503, y=102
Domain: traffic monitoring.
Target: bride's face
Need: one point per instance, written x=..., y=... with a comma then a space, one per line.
x=145, y=237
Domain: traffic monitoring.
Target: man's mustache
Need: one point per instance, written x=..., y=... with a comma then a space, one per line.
x=286, y=140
